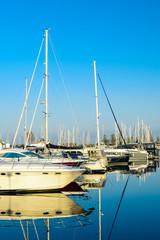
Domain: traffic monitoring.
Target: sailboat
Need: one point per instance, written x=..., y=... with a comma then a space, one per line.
x=98, y=160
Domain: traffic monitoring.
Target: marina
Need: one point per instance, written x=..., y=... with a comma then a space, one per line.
x=79, y=123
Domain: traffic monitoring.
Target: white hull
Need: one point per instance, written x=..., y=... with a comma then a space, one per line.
x=35, y=177
x=92, y=181
x=133, y=153
x=94, y=166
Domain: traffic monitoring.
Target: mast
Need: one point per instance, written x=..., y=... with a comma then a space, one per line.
x=138, y=129
x=97, y=114
x=25, y=126
x=46, y=87
x=142, y=140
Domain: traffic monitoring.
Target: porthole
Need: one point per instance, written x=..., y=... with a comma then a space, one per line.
x=58, y=212
x=57, y=173
x=45, y=173
x=3, y=173
x=18, y=173
x=46, y=213
x=18, y=213
x=3, y=212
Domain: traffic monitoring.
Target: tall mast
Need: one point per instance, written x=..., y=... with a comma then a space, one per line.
x=142, y=140
x=97, y=114
x=25, y=126
x=46, y=87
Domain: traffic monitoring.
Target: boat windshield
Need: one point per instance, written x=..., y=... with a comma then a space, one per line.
x=32, y=154
x=12, y=155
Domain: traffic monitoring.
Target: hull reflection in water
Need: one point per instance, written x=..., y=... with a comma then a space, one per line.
x=52, y=205
x=138, y=165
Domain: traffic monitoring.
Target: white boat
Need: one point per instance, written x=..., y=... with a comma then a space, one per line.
x=92, y=181
x=94, y=166
x=96, y=159
x=29, y=176
x=124, y=150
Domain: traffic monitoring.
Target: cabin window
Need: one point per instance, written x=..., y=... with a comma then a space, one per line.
x=18, y=213
x=12, y=155
x=45, y=173
x=18, y=173
x=32, y=154
x=3, y=173
x=57, y=173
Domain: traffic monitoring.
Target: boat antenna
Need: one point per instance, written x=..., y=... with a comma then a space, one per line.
x=111, y=108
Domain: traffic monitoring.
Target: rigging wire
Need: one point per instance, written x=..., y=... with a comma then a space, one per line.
x=28, y=93
x=74, y=116
x=35, y=111
x=118, y=207
x=111, y=109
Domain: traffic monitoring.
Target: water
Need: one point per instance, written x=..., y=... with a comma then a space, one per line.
x=120, y=204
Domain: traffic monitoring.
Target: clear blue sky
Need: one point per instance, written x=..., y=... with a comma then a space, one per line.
x=122, y=36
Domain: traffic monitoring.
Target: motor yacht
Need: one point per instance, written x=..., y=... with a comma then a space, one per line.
x=35, y=176
x=128, y=150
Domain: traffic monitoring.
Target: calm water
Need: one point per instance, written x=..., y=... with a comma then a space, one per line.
x=123, y=203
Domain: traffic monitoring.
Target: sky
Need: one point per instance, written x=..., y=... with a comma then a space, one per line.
x=121, y=36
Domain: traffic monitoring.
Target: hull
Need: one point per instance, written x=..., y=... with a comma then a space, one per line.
x=69, y=163
x=92, y=181
x=94, y=166
x=133, y=153
x=35, y=177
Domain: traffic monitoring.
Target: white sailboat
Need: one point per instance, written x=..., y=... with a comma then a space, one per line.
x=98, y=160
x=32, y=176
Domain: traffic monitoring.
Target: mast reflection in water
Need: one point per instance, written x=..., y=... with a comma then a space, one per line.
x=122, y=203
